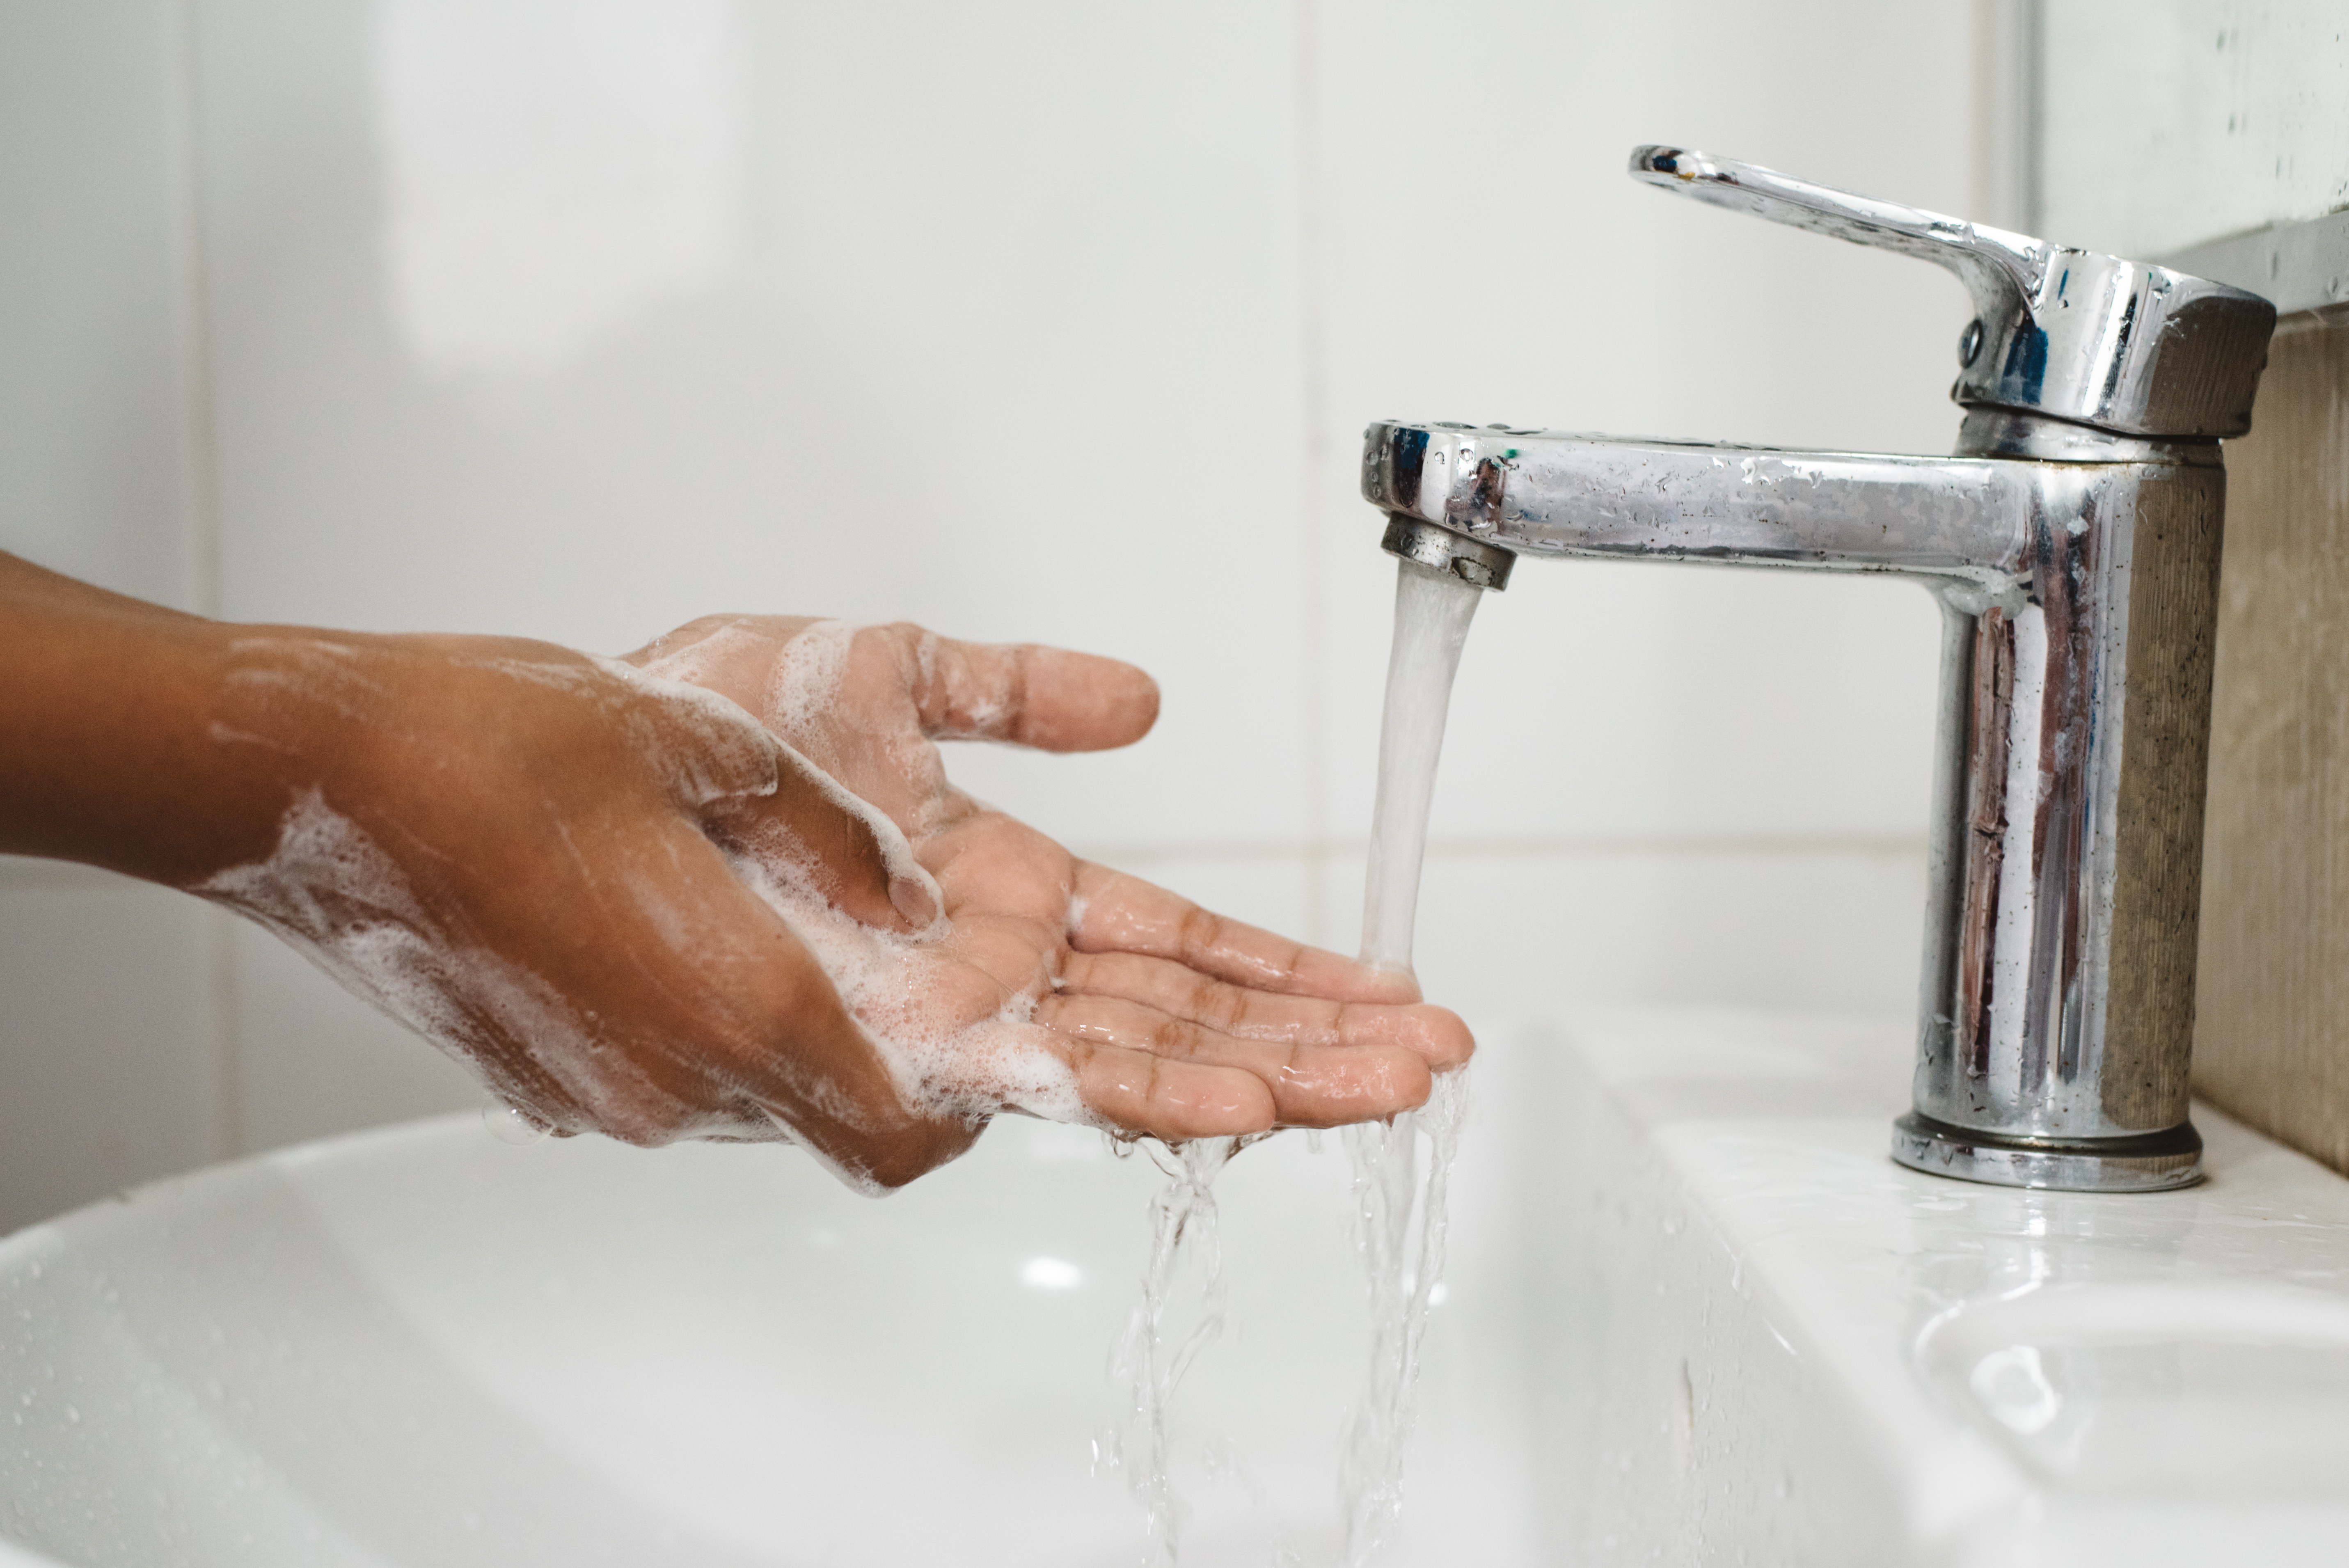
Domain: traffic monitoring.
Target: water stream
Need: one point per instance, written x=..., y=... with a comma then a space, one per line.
x=1399, y=1191
x=1151, y=1358
x=1432, y=611
x=1400, y=1168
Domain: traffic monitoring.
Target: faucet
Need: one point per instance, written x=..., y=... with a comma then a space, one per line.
x=2072, y=544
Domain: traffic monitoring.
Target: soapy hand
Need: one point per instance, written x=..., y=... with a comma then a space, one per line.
x=1166, y=1019
x=638, y=909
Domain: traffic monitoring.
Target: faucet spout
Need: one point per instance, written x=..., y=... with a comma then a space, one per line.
x=1543, y=493
x=2077, y=576
x=2072, y=544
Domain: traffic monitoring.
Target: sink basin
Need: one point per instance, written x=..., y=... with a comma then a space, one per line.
x=1694, y=1314
x=422, y=1346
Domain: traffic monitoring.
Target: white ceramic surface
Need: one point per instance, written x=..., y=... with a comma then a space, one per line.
x=1786, y=1349
x=425, y=1346
x=1695, y=1315
x=2169, y=122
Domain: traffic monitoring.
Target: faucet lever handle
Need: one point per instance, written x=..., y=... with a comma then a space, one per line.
x=2124, y=347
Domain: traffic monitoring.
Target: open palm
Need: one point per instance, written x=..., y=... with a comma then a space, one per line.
x=1172, y=1021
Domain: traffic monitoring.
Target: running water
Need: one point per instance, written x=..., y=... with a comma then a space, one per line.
x=1432, y=610
x=1182, y=1222
x=1399, y=1198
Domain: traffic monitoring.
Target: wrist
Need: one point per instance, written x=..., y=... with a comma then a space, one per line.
x=118, y=757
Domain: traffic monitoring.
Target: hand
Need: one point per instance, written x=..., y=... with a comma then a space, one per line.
x=523, y=854
x=1172, y=1021
x=635, y=909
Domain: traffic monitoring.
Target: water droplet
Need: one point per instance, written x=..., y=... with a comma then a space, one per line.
x=513, y=1126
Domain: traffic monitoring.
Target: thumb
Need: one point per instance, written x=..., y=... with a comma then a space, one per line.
x=1048, y=698
x=808, y=829
x=811, y=830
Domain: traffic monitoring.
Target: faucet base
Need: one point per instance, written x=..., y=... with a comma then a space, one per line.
x=2148, y=1162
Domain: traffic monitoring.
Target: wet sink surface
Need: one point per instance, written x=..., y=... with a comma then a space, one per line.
x=1840, y=1360
x=425, y=1346
x=1695, y=1314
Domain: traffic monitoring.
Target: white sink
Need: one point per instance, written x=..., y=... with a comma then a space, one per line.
x=1695, y=1314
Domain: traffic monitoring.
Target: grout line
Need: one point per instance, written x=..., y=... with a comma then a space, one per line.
x=1312, y=400
x=2035, y=115
x=1318, y=853
x=201, y=448
x=196, y=388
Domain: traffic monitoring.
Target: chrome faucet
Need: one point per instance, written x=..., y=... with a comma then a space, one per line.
x=2072, y=543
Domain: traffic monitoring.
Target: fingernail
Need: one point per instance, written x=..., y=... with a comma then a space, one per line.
x=912, y=899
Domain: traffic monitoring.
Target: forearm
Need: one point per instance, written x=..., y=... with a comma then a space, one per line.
x=602, y=887
x=110, y=750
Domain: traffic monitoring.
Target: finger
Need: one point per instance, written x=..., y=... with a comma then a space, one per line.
x=1114, y=912
x=732, y=656
x=811, y=830
x=751, y=1014
x=1436, y=1035
x=1311, y=1085
x=1169, y=1099
x=1048, y=698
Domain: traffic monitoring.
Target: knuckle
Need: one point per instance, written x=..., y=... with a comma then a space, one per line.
x=1219, y=1005
x=1177, y=1037
x=1198, y=930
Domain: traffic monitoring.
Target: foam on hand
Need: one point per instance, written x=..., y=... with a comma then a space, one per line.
x=804, y=683
x=333, y=893
x=900, y=989
x=330, y=894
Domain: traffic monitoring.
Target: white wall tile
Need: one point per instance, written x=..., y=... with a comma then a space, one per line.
x=591, y=317
x=109, y=1039
x=93, y=476
x=312, y=1059
x=1273, y=889
x=1504, y=935
x=2169, y=122
x=109, y=1053
x=1000, y=336
x=1597, y=699
x=1486, y=258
